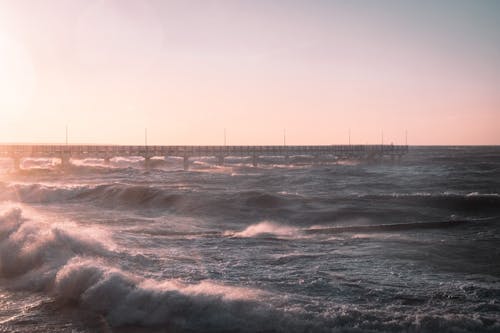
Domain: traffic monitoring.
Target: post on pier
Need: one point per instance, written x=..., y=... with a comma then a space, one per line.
x=287, y=159
x=220, y=160
x=186, y=163
x=255, y=160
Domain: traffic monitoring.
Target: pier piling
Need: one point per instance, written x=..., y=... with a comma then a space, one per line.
x=317, y=153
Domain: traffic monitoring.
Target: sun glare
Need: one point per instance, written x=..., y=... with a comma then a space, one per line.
x=17, y=78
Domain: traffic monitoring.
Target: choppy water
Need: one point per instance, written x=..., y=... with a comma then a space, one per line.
x=408, y=247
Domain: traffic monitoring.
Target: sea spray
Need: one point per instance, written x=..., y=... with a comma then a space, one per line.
x=77, y=270
x=266, y=228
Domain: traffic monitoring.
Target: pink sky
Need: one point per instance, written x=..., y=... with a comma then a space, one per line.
x=188, y=69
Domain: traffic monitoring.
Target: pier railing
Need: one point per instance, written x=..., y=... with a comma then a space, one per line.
x=118, y=150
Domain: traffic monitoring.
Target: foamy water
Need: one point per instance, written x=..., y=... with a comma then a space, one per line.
x=410, y=247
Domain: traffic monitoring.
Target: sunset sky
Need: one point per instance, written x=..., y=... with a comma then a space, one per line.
x=188, y=69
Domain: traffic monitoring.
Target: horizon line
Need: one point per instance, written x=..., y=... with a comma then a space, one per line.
x=243, y=145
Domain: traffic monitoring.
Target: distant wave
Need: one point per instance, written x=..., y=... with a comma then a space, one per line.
x=98, y=166
x=433, y=195
x=77, y=170
x=118, y=195
x=105, y=194
x=266, y=228
x=469, y=202
x=252, y=204
x=394, y=227
x=272, y=229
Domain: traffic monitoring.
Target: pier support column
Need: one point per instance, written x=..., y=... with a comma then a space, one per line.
x=65, y=161
x=316, y=159
x=16, y=160
x=186, y=163
x=370, y=158
x=255, y=160
x=220, y=160
x=287, y=159
x=147, y=162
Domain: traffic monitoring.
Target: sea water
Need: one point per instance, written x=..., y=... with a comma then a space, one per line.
x=409, y=246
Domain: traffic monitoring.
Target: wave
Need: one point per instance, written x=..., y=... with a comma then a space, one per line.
x=77, y=270
x=394, y=227
x=271, y=229
x=77, y=266
x=433, y=195
x=247, y=206
x=416, y=195
x=464, y=202
x=27, y=246
x=93, y=166
x=127, y=300
x=98, y=165
x=266, y=228
x=105, y=194
x=119, y=195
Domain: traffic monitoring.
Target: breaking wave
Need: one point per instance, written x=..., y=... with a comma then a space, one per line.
x=123, y=193
x=138, y=196
x=272, y=229
x=266, y=228
x=127, y=300
x=78, y=270
x=29, y=248
x=80, y=266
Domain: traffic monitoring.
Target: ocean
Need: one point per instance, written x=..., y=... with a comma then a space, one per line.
x=409, y=246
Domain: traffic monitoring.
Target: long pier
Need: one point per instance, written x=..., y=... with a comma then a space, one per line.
x=318, y=153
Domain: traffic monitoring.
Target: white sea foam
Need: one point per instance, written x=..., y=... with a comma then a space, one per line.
x=73, y=266
x=267, y=228
x=29, y=248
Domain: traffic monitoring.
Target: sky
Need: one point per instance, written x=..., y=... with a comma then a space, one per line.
x=186, y=70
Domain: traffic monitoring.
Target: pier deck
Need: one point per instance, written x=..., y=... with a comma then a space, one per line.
x=324, y=152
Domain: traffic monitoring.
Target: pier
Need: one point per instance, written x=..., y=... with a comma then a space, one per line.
x=316, y=153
